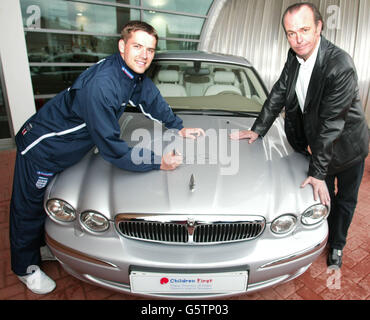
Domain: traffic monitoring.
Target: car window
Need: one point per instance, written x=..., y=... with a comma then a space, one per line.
x=208, y=85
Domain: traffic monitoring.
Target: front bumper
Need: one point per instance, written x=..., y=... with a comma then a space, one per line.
x=107, y=260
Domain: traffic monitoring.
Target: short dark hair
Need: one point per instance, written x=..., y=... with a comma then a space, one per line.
x=136, y=25
x=295, y=7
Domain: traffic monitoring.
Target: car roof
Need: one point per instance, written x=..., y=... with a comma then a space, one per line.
x=201, y=56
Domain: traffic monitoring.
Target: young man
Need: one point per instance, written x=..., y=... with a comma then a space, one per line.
x=69, y=125
x=324, y=117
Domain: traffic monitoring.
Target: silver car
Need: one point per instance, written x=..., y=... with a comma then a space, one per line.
x=232, y=219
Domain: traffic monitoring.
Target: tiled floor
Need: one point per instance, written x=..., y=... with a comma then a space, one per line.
x=317, y=283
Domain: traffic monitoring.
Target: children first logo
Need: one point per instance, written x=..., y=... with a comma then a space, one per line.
x=186, y=281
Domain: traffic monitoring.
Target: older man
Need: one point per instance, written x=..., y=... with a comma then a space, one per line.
x=319, y=89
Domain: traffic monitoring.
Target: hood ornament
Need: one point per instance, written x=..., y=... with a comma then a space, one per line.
x=190, y=226
x=192, y=183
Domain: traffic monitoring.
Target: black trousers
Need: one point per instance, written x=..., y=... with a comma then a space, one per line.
x=343, y=203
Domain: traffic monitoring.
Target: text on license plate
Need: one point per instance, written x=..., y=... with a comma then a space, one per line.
x=156, y=282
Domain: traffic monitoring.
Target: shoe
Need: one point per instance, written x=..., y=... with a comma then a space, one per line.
x=335, y=258
x=37, y=281
x=46, y=254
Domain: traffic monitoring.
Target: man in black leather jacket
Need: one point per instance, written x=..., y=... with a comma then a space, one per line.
x=323, y=116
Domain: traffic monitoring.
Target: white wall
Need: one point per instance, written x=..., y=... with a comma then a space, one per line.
x=16, y=72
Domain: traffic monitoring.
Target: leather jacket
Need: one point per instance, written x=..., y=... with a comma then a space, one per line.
x=332, y=124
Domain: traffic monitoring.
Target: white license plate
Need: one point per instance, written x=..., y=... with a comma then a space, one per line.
x=157, y=282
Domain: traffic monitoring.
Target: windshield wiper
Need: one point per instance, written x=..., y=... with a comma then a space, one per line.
x=219, y=112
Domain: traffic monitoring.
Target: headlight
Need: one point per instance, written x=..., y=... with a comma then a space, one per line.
x=60, y=210
x=314, y=214
x=94, y=221
x=283, y=224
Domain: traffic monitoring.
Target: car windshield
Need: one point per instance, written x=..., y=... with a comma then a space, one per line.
x=196, y=86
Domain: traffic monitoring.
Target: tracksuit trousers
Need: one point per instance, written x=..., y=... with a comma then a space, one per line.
x=27, y=216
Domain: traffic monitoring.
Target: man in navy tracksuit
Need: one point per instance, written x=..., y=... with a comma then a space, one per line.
x=69, y=125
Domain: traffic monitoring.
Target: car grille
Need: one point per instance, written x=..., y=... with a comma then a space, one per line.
x=181, y=229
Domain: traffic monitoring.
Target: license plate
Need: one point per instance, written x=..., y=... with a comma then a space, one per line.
x=155, y=282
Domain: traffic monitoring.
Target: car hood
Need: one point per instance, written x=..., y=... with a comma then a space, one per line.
x=219, y=176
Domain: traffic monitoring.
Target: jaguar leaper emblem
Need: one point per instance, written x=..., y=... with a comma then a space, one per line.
x=192, y=183
x=191, y=226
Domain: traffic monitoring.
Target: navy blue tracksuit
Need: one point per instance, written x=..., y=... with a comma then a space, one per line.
x=64, y=130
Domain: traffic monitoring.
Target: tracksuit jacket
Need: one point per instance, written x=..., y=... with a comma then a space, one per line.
x=87, y=113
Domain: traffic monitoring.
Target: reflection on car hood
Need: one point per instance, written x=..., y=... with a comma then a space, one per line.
x=229, y=177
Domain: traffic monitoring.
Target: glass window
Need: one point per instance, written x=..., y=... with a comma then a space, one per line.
x=174, y=26
x=76, y=16
x=56, y=47
x=176, y=45
x=60, y=33
x=190, y=6
x=4, y=120
x=52, y=80
x=128, y=2
x=208, y=85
